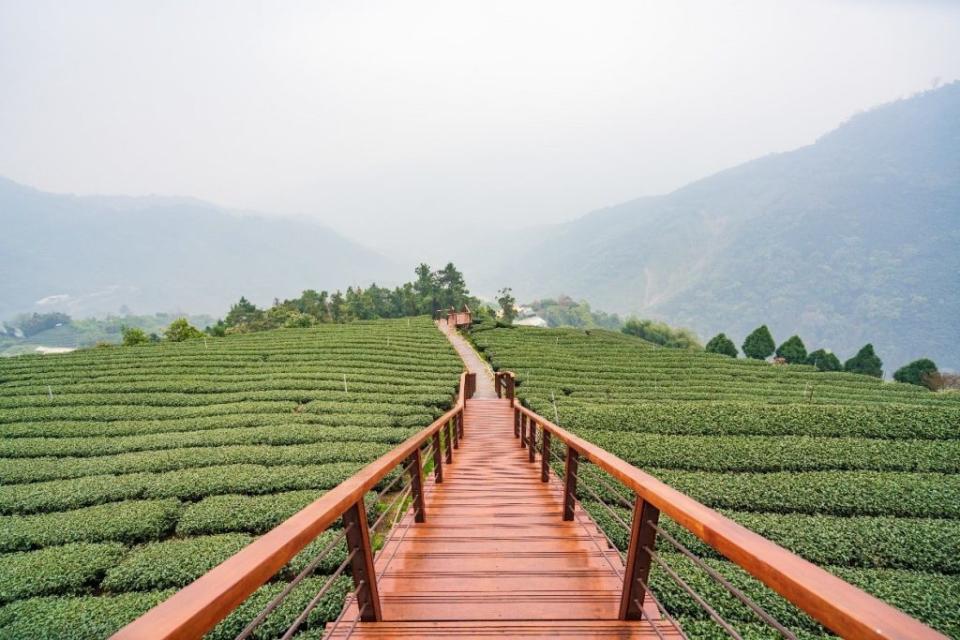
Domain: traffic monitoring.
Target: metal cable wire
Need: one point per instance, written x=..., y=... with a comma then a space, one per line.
x=353, y=625
x=319, y=596
x=693, y=594
x=737, y=593
x=275, y=602
x=346, y=604
x=656, y=601
x=619, y=496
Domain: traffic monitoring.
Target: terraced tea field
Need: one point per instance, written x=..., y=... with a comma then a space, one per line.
x=854, y=474
x=125, y=473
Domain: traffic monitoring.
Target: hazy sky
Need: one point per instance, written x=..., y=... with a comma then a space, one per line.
x=384, y=119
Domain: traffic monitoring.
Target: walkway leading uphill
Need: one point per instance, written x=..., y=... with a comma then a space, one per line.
x=494, y=558
x=495, y=545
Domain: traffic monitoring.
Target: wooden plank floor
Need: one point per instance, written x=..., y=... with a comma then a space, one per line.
x=494, y=558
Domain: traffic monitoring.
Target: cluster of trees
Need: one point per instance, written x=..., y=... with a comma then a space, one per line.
x=431, y=292
x=564, y=311
x=759, y=345
x=662, y=334
x=32, y=324
x=178, y=331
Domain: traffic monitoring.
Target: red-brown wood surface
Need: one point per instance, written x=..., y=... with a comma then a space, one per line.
x=495, y=558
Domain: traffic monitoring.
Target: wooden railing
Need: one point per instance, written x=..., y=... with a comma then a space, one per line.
x=834, y=603
x=198, y=607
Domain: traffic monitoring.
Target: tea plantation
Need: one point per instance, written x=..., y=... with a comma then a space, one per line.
x=126, y=472
x=857, y=475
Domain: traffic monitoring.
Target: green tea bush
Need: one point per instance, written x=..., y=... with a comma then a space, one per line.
x=56, y=570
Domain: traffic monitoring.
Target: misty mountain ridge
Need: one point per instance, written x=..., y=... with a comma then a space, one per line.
x=93, y=254
x=853, y=239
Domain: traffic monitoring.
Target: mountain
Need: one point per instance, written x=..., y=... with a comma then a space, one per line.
x=94, y=254
x=853, y=239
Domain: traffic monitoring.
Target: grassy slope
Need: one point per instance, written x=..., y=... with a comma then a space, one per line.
x=855, y=474
x=126, y=472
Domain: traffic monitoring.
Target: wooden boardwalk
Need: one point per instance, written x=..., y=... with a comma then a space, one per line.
x=494, y=557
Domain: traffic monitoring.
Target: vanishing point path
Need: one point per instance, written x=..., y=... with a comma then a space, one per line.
x=494, y=559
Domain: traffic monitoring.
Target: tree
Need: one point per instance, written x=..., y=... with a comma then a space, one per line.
x=661, y=333
x=824, y=360
x=453, y=288
x=180, y=330
x=793, y=350
x=866, y=362
x=426, y=288
x=759, y=345
x=242, y=313
x=919, y=372
x=723, y=345
x=33, y=324
x=134, y=336
x=507, y=304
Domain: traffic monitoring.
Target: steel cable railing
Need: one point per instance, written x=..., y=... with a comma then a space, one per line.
x=583, y=477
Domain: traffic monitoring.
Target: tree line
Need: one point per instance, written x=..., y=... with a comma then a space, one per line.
x=760, y=345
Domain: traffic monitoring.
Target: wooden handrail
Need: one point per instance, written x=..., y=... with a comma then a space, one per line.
x=198, y=607
x=841, y=607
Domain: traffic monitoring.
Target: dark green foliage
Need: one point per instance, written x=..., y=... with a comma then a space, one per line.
x=35, y=323
x=133, y=336
x=793, y=351
x=76, y=618
x=918, y=372
x=56, y=570
x=565, y=312
x=824, y=360
x=133, y=521
x=866, y=362
x=759, y=345
x=723, y=345
x=508, y=308
x=180, y=330
x=172, y=563
x=661, y=333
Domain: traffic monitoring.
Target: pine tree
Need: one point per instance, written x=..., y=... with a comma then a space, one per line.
x=866, y=362
x=759, y=345
x=824, y=360
x=793, y=350
x=723, y=345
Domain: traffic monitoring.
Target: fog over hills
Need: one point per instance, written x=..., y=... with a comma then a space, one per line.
x=853, y=239
x=93, y=254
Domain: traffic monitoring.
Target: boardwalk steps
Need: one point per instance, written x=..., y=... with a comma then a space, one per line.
x=494, y=558
x=501, y=548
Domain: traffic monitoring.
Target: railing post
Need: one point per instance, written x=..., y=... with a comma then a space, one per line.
x=545, y=456
x=642, y=535
x=570, y=483
x=510, y=387
x=460, y=425
x=364, y=573
x=449, y=441
x=496, y=384
x=455, y=428
x=437, y=459
x=523, y=430
x=416, y=486
x=516, y=422
x=532, y=441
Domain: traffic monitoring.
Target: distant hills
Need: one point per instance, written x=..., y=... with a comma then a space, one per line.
x=853, y=239
x=92, y=255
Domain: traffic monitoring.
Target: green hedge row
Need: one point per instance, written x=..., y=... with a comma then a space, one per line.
x=272, y=435
x=186, y=484
x=56, y=570
x=20, y=470
x=749, y=418
x=234, y=513
x=133, y=521
x=918, y=544
x=783, y=453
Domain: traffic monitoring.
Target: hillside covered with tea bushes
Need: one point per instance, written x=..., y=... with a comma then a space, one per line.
x=858, y=475
x=127, y=472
